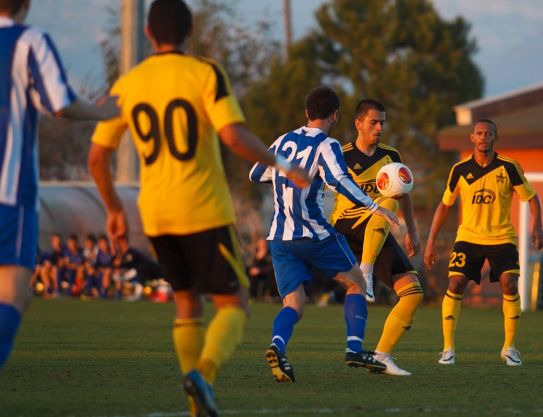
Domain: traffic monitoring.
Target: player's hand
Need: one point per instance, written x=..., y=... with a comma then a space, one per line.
x=412, y=243
x=116, y=224
x=388, y=215
x=298, y=176
x=108, y=107
x=536, y=237
x=429, y=255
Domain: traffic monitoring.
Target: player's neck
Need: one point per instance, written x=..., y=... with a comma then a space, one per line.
x=366, y=148
x=484, y=158
x=166, y=47
x=321, y=124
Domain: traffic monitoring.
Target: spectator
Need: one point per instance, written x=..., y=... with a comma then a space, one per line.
x=134, y=268
x=74, y=267
x=104, y=265
x=261, y=274
x=52, y=266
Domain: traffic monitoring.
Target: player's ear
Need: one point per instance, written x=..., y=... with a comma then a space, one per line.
x=147, y=32
x=357, y=123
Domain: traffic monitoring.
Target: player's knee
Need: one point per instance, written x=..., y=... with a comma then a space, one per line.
x=390, y=203
x=457, y=284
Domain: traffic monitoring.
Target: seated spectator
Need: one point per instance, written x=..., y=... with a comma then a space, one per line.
x=102, y=267
x=52, y=266
x=133, y=268
x=261, y=275
x=90, y=251
x=74, y=267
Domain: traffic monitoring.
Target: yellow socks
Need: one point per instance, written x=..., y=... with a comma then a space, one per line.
x=400, y=317
x=511, y=316
x=188, y=339
x=223, y=335
x=450, y=311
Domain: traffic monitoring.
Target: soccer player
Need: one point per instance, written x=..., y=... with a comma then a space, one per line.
x=32, y=80
x=368, y=235
x=174, y=105
x=302, y=240
x=485, y=182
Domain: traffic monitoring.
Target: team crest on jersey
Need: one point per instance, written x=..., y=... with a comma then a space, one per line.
x=469, y=176
x=357, y=166
x=483, y=196
x=500, y=178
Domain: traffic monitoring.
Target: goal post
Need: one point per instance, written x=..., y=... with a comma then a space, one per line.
x=525, y=281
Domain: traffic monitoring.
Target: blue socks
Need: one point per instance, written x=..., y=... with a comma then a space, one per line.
x=356, y=314
x=10, y=319
x=283, y=325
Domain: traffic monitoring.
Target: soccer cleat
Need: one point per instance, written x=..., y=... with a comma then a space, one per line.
x=201, y=393
x=364, y=360
x=447, y=357
x=282, y=370
x=370, y=296
x=392, y=368
x=511, y=356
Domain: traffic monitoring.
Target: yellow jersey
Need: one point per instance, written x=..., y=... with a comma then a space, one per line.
x=486, y=194
x=174, y=105
x=363, y=169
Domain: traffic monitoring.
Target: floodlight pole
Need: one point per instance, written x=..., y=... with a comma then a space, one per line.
x=132, y=15
x=525, y=282
x=288, y=24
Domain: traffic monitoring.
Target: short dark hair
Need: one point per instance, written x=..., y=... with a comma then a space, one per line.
x=11, y=6
x=91, y=236
x=488, y=122
x=170, y=21
x=321, y=102
x=364, y=106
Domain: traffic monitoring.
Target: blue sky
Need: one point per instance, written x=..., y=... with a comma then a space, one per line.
x=509, y=34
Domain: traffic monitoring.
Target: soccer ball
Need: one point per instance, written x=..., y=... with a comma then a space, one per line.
x=394, y=180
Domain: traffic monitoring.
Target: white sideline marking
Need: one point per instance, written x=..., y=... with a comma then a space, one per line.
x=262, y=411
x=290, y=411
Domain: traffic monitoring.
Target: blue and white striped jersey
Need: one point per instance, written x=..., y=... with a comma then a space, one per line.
x=298, y=212
x=32, y=80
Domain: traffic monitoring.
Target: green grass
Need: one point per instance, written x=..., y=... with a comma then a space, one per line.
x=111, y=359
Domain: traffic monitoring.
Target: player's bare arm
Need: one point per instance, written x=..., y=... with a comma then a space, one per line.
x=412, y=239
x=247, y=146
x=105, y=108
x=99, y=163
x=440, y=216
x=536, y=236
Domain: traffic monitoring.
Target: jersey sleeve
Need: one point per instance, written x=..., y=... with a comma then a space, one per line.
x=261, y=173
x=451, y=190
x=109, y=133
x=48, y=77
x=519, y=182
x=333, y=170
x=220, y=102
x=395, y=156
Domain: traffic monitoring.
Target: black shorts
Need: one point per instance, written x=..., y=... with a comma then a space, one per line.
x=209, y=261
x=468, y=258
x=391, y=261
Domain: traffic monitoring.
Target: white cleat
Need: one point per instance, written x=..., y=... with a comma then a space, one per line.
x=392, y=368
x=447, y=357
x=370, y=296
x=511, y=356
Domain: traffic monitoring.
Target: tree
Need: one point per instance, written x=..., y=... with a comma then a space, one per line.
x=400, y=52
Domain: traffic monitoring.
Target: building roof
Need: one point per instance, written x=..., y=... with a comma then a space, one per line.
x=519, y=128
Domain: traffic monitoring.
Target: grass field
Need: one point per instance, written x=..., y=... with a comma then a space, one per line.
x=114, y=359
